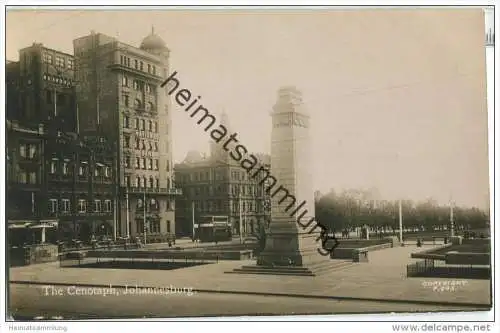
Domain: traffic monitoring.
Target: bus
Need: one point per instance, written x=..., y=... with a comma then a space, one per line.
x=213, y=229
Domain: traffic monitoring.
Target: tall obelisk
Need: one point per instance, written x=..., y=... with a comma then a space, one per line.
x=288, y=243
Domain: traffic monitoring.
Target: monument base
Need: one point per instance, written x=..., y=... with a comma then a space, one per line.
x=293, y=254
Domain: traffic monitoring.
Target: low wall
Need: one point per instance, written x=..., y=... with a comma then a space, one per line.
x=33, y=254
x=463, y=258
x=428, y=254
x=354, y=253
x=205, y=255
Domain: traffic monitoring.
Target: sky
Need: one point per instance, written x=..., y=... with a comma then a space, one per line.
x=397, y=97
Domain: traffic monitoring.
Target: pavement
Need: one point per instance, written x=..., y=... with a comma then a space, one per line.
x=33, y=302
x=381, y=279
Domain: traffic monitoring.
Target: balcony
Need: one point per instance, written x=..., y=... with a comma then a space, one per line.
x=153, y=190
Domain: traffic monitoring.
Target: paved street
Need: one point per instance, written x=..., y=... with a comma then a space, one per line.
x=33, y=301
x=383, y=278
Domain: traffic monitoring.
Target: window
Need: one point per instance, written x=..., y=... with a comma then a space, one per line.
x=82, y=205
x=107, y=172
x=136, y=123
x=143, y=125
x=150, y=146
x=70, y=63
x=122, y=60
x=52, y=205
x=138, y=181
x=157, y=181
x=127, y=162
x=155, y=146
x=107, y=205
x=149, y=68
x=136, y=64
x=136, y=85
x=143, y=145
x=66, y=205
x=96, y=172
x=128, y=62
x=150, y=126
x=27, y=150
x=143, y=182
x=151, y=182
x=150, y=164
x=47, y=58
x=126, y=141
x=126, y=122
x=127, y=181
x=137, y=162
x=59, y=61
x=156, y=127
x=97, y=205
x=168, y=226
x=156, y=164
x=53, y=167
x=81, y=170
x=65, y=168
x=125, y=81
x=154, y=69
x=137, y=143
x=142, y=66
x=143, y=163
x=48, y=97
x=137, y=104
x=155, y=226
x=126, y=100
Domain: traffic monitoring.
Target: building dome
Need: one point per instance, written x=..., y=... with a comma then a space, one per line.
x=153, y=42
x=193, y=156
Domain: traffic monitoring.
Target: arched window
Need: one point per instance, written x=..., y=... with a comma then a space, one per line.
x=137, y=104
x=150, y=106
x=144, y=182
x=138, y=181
x=151, y=182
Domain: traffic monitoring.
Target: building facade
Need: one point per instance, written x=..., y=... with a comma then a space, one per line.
x=59, y=187
x=59, y=183
x=119, y=96
x=217, y=185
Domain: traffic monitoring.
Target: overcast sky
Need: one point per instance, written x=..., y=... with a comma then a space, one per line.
x=397, y=97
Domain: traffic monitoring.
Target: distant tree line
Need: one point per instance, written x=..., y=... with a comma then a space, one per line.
x=356, y=208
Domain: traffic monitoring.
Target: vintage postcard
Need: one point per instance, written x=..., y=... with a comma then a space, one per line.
x=178, y=162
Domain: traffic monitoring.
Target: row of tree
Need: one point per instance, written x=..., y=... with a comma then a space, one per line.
x=356, y=208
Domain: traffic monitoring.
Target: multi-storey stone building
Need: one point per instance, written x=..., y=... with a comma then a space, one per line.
x=59, y=186
x=54, y=175
x=119, y=97
x=217, y=185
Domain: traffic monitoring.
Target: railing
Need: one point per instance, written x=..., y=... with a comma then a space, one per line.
x=140, y=190
x=439, y=269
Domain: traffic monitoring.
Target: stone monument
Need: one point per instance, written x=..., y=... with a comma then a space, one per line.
x=290, y=248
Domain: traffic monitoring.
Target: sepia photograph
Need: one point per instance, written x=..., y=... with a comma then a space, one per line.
x=205, y=162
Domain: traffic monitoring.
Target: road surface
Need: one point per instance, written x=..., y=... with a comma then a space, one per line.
x=30, y=301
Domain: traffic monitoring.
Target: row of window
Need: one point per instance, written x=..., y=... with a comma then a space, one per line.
x=152, y=226
x=60, y=61
x=140, y=163
x=64, y=167
x=140, y=144
x=138, y=104
x=28, y=150
x=57, y=79
x=139, y=85
x=143, y=182
x=137, y=64
x=140, y=124
x=65, y=206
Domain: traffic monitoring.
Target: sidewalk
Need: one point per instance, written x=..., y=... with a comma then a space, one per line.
x=383, y=279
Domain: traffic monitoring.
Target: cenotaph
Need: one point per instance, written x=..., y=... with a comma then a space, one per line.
x=290, y=248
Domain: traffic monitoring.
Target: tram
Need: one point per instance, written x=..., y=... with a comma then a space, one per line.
x=213, y=229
